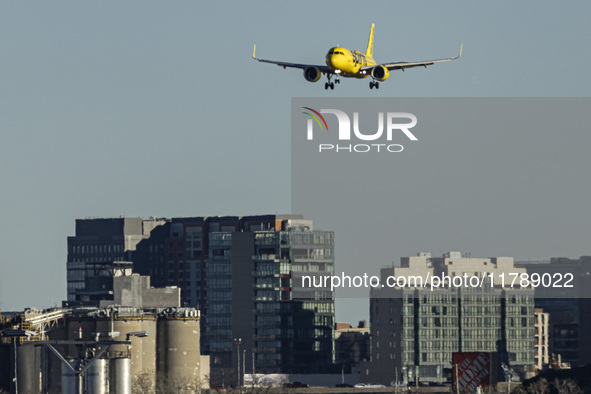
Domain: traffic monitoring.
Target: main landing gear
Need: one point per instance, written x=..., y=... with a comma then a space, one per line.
x=331, y=84
x=374, y=83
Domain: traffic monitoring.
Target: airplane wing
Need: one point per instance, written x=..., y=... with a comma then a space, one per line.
x=404, y=65
x=323, y=69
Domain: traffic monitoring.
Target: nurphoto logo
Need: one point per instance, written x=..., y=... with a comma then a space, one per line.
x=380, y=142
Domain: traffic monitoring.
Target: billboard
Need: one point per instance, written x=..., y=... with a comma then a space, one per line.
x=471, y=370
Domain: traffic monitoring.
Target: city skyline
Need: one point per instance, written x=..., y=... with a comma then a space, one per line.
x=116, y=110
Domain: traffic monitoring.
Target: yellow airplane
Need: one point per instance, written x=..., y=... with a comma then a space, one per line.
x=352, y=64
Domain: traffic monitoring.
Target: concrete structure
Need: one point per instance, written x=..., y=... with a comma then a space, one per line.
x=415, y=330
x=134, y=290
x=178, y=340
x=541, y=339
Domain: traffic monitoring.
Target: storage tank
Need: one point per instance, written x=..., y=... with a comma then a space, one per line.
x=178, y=345
x=143, y=349
x=120, y=375
x=54, y=364
x=149, y=349
x=97, y=377
x=28, y=367
x=69, y=378
x=124, y=324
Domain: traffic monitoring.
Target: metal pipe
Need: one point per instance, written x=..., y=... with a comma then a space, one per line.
x=15, y=367
x=253, y=370
x=237, y=342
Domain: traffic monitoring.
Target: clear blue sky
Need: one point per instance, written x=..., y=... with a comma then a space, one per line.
x=144, y=108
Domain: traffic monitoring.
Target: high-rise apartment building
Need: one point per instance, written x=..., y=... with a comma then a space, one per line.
x=251, y=297
x=416, y=330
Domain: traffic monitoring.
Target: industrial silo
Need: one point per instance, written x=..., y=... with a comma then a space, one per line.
x=120, y=375
x=69, y=380
x=124, y=322
x=28, y=367
x=178, y=345
x=148, y=348
x=53, y=363
x=143, y=349
x=97, y=377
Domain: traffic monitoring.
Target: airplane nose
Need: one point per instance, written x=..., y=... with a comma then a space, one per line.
x=334, y=60
x=330, y=60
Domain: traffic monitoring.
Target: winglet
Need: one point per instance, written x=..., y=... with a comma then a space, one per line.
x=254, y=51
x=460, y=55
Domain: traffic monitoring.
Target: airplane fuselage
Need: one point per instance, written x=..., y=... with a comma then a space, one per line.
x=347, y=62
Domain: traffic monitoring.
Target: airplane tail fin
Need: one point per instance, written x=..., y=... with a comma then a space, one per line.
x=369, y=51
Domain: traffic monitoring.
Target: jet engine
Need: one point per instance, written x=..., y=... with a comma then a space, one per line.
x=380, y=73
x=312, y=74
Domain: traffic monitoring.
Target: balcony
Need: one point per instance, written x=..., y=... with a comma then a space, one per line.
x=265, y=299
x=311, y=259
x=258, y=274
x=268, y=257
x=267, y=286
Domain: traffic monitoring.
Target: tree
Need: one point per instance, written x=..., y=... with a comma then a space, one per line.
x=541, y=386
x=186, y=385
x=143, y=383
x=567, y=386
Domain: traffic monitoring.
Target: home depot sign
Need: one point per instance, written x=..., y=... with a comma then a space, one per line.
x=470, y=371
